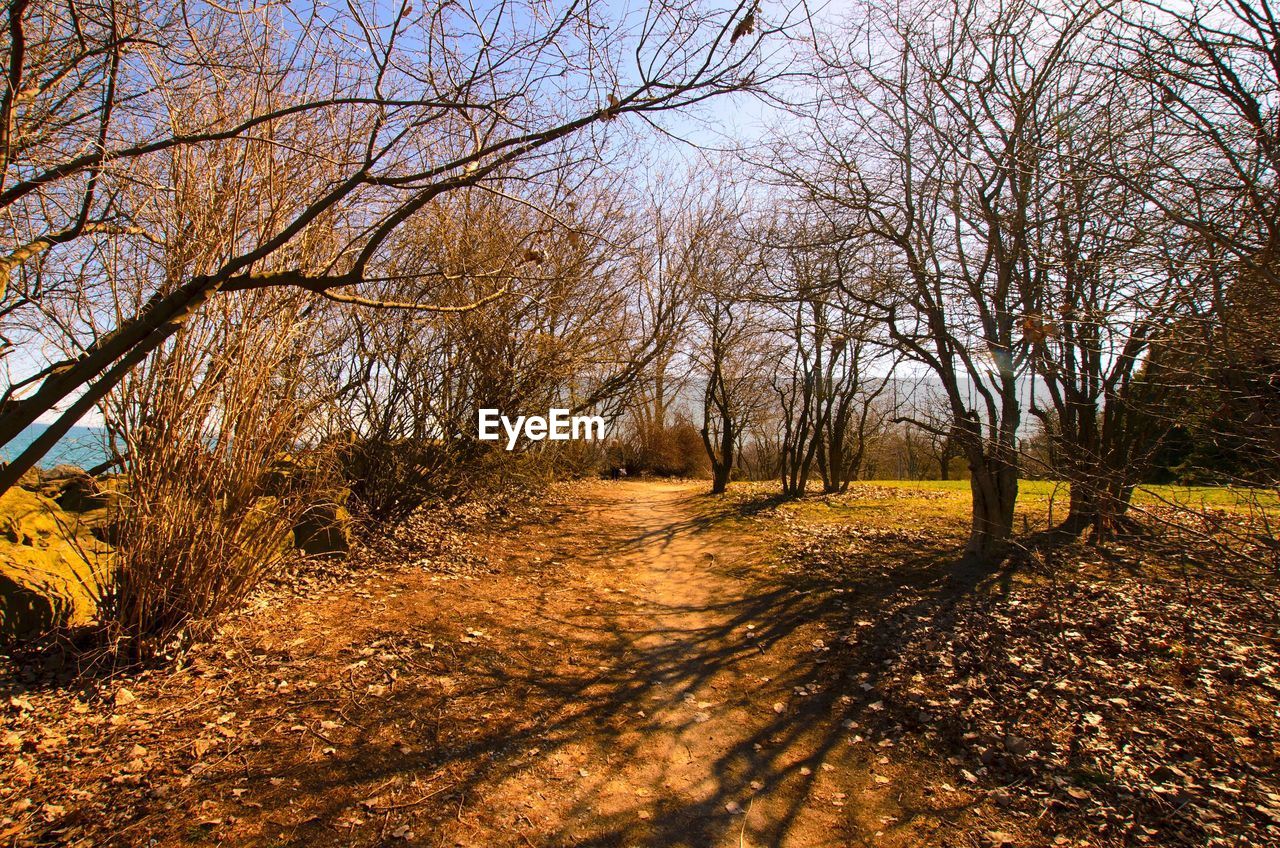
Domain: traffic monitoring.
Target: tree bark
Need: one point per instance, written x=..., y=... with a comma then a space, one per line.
x=1098, y=503
x=993, y=481
x=723, y=459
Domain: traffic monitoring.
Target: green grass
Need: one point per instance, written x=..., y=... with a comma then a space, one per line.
x=1211, y=496
x=1041, y=503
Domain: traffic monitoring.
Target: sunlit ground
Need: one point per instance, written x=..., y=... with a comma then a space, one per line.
x=1041, y=503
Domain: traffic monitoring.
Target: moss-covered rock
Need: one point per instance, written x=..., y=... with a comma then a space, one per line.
x=325, y=529
x=49, y=575
x=72, y=487
x=31, y=479
x=81, y=494
x=263, y=518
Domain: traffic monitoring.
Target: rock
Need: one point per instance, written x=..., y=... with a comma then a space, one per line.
x=47, y=578
x=29, y=519
x=71, y=486
x=31, y=480
x=81, y=494
x=63, y=472
x=44, y=588
x=284, y=476
x=265, y=518
x=290, y=475
x=324, y=530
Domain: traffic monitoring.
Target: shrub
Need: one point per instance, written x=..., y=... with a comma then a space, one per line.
x=206, y=511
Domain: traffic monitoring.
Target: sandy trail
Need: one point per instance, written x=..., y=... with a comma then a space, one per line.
x=621, y=676
x=679, y=741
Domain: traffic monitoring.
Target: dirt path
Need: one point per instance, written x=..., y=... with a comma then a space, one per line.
x=687, y=693
x=626, y=680
x=667, y=739
x=619, y=675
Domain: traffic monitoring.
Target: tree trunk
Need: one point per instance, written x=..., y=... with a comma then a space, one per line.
x=720, y=478
x=833, y=474
x=993, y=481
x=722, y=467
x=1098, y=503
x=11, y=473
x=1081, y=508
x=721, y=460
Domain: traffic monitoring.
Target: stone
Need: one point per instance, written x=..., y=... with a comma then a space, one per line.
x=72, y=487
x=81, y=494
x=49, y=577
x=63, y=472
x=264, y=518
x=31, y=480
x=325, y=529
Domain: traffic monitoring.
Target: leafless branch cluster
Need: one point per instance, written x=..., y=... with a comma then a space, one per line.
x=207, y=150
x=1064, y=214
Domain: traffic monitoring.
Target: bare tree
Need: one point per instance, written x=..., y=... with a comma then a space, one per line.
x=1211, y=72
x=1111, y=284
x=933, y=124
x=367, y=116
x=799, y=285
x=730, y=348
x=929, y=413
x=1212, y=75
x=851, y=403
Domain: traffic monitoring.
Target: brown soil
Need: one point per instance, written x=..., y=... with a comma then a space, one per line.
x=629, y=667
x=617, y=680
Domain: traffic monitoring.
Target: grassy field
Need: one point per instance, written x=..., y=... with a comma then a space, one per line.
x=944, y=504
x=1217, y=496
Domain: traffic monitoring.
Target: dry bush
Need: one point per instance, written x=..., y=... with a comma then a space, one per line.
x=570, y=333
x=391, y=477
x=671, y=451
x=207, y=431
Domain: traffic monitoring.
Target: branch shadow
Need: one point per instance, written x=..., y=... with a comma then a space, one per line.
x=469, y=725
